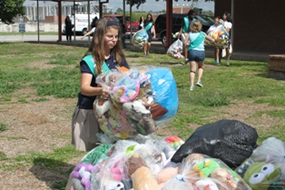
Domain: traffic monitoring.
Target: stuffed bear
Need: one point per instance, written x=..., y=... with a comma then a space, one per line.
x=230, y=179
x=141, y=175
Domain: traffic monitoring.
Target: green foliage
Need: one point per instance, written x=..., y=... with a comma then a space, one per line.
x=10, y=9
x=3, y=127
x=135, y=2
x=3, y=156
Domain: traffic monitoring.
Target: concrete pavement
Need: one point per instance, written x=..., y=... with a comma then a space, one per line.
x=157, y=46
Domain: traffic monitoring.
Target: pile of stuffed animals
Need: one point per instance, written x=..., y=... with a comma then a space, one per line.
x=175, y=49
x=140, y=38
x=221, y=37
x=142, y=100
x=144, y=164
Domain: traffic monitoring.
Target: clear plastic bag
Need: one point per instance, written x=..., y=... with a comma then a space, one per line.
x=265, y=168
x=131, y=164
x=141, y=101
x=83, y=174
x=203, y=171
x=140, y=38
x=221, y=37
x=175, y=49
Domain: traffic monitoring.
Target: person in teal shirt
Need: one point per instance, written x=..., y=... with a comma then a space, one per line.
x=196, y=52
x=187, y=20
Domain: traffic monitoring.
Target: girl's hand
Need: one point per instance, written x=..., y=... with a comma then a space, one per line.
x=105, y=93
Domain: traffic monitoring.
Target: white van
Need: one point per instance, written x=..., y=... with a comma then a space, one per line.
x=81, y=23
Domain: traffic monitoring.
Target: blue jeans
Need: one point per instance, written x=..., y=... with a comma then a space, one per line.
x=194, y=55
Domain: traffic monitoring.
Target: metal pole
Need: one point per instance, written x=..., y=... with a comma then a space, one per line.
x=232, y=30
x=131, y=30
x=169, y=10
x=38, y=20
x=124, y=11
x=59, y=22
x=74, y=20
x=88, y=12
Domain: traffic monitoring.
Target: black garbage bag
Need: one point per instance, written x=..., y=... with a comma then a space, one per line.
x=229, y=140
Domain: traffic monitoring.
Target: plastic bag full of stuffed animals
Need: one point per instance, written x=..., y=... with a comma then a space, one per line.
x=175, y=49
x=200, y=172
x=221, y=37
x=140, y=38
x=125, y=165
x=142, y=100
x=265, y=168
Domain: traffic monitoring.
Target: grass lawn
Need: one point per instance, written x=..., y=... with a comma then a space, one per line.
x=240, y=92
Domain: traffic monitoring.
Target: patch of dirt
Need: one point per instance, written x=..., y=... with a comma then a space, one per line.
x=245, y=111
x=35, y=126
x=40, y=65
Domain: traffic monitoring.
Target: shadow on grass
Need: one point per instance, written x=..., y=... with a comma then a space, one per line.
x=53, y=172
x=262, y=74
x=245, y=64
x=133, y=56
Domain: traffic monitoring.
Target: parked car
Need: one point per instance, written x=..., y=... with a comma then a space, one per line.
x=129, y=22
x=177, y=19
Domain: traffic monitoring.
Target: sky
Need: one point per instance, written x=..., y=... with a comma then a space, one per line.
x=150, y=5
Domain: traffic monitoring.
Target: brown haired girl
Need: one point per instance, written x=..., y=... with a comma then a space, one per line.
x=104, y=53
x=149, y=27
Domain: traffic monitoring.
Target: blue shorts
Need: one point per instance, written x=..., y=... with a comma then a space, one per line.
x=194, y=55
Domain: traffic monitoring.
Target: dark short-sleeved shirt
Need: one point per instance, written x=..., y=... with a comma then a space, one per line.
x=86, y=102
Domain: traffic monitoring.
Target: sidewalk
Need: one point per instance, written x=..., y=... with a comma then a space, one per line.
x=157, y=46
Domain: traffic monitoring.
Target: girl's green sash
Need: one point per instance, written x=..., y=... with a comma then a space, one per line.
x=92, y=64
x=148, y=26
x=200, y=39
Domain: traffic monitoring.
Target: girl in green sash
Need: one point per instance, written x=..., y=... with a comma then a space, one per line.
x=149, y=27
x=184, y=30
x=104, y=53
x=196, y=52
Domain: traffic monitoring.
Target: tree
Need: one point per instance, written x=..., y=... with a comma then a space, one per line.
x=10, y=9
x=135, y=2
x=119, y=10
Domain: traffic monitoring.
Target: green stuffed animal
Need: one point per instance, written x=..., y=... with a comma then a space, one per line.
x=206, y=167
x=260, y=175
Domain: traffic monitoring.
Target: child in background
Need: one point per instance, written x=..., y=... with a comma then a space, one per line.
x=196, y=52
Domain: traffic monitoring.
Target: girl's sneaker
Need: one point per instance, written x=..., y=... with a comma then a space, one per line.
x=199, y=84
x=228, y=64
x=192, y=88
x=217, y=62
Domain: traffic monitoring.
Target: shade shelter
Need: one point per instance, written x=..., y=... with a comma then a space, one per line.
x=169, y=6
x=101, y=2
